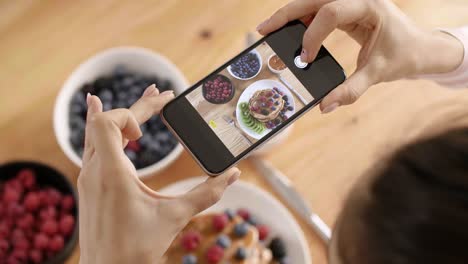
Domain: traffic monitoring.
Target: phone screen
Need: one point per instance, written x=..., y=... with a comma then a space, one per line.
x=240, y=105
x=249, y=98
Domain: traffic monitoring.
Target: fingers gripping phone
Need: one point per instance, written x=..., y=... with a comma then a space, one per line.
x=252, y=97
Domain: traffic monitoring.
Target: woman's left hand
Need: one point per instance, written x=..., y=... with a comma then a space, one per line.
x=121, y=220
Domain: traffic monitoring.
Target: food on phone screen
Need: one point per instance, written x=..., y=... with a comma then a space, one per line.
x=225, y=237
x=218, y=90
x=247, y=66
x=276, y=63
x=121, y=89
x=249, y=120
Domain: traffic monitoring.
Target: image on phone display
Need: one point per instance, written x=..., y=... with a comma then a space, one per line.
x=250, y=98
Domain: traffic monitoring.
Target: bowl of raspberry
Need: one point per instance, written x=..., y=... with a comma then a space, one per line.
x=38, y=214
x=119, y=76
x=218, y=89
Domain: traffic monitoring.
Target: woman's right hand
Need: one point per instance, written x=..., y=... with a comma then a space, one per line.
x=392, y=46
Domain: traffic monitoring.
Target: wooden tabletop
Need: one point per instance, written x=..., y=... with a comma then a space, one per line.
x=41, y=42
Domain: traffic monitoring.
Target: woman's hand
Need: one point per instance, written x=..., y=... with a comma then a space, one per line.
x=392, y=46
x=122, y=220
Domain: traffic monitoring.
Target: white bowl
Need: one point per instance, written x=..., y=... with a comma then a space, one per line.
x=254, y=51
x=136, y=59
x=271, y=68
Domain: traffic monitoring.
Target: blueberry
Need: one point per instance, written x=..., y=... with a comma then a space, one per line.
x=223, y=241
x=284, y=261
x=78, y=99
x=77, y=139
x=105, y=96
x=131, y=155
x=106, y=106
x=77, y=123
x=128, y=81
x=241, y=253
x=285, y=98
x=146, y=139
x=165, y=85
x=76, y=108
x=290, y=108
x=240, y=230
x=189, y=259
x=277, y=248
x=252, y=220
x=230, y=213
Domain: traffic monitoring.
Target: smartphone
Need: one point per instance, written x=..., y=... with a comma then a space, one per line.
x=249, y=99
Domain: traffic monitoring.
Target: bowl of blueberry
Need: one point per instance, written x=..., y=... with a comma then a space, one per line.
x=119, y=76
x=218, y=89
x=38, y=214
x=246, y=67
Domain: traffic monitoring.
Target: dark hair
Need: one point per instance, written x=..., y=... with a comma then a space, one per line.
x=414, y=210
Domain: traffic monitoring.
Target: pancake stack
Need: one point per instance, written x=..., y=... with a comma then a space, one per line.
x=265, y=105
x=218, y=238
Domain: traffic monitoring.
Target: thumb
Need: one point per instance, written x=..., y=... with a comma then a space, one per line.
x=209, y=192
x=347, y=92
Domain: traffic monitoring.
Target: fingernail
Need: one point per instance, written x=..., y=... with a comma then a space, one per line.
x=330, y=108
x=150, y=91
x=304, y=55
x=233, y=178
x=88, y=99
x=261, y=25
x=167, y=92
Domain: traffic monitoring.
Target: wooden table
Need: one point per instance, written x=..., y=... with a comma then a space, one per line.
x=41, y=42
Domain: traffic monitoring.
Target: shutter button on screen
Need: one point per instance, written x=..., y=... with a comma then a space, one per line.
x=299, y=63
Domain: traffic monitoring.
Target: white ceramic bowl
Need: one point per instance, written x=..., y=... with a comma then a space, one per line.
x=254, y=51
x=271, y=68
x=139, y=60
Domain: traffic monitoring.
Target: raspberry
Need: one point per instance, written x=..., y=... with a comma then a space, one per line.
x=214, y=254
x=263, y=232
x=190, y=240
x=32, y=201
x=11, y=195
x=14, y=210
x=26, y=222
x=27, y=178
x=49, y=227
x=12, y=260
x=48, y=213
x=4, y=245
x=133, y=146
x=244, y=213
x=21, y=244
x=53, y=197
x=35, y=256
x=17, y=235
x=20, y=255
x=220, y=222
x=56, y=243
x=67, y=224
x=41, y=241
x=4, y=229
x=68, y=202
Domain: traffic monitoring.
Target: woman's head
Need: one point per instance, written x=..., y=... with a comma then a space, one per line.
x=413, y=209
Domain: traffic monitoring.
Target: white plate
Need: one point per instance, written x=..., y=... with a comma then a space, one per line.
x=266, y=209
x=254, y=51
x=249, y=92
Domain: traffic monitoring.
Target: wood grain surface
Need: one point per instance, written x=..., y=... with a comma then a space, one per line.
x=41, y=42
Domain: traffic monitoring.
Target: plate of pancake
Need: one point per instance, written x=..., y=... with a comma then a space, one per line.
x=233, y=230
x=262, y=106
